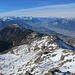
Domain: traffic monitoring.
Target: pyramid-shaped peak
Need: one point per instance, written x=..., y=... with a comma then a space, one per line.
x=14, y=26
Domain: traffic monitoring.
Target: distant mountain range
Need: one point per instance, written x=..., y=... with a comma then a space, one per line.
x=52, y=25
x=65, y=26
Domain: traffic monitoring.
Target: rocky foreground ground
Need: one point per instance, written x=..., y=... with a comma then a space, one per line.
x=41, y=56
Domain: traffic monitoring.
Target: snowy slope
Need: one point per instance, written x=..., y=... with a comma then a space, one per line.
x=42, y=56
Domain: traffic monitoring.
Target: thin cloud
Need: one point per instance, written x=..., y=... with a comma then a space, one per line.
x=63, y=10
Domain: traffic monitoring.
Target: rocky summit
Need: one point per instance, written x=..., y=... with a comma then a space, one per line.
x=41, y=56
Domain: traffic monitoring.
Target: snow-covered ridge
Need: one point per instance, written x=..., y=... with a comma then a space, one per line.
x=13, y=17
x=42, y=56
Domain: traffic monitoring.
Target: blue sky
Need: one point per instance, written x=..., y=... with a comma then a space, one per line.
x=37, y=8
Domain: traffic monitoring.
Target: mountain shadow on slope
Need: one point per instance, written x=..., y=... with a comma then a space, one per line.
x=4, y=45
x=14, y=34
x=62, y=44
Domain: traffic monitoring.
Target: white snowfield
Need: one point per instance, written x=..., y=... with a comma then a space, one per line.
x=38, y=58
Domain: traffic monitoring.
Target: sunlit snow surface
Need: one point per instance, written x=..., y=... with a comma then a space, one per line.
x=22, y=59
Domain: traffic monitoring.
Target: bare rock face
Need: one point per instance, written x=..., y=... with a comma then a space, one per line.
x=48, y=73
x=27, y=73
x=1, y=74
x=12, y=35
x=54, y=69
x=4, y=45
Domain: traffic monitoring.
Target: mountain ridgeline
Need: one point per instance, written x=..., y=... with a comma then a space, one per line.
x=65, y=26
x=14, y=33
x=12, y=36
x=15, y=30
